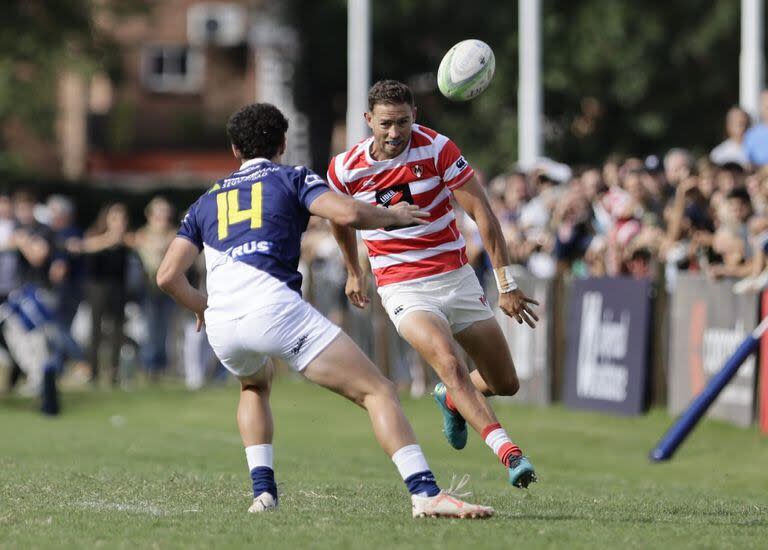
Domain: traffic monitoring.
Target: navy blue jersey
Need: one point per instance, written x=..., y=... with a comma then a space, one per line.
x=253, y=219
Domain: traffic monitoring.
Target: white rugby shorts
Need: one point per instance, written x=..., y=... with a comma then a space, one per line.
x=455, y=296
x=295, y=332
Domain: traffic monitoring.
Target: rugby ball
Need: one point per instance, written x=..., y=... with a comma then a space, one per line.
x=466, y=70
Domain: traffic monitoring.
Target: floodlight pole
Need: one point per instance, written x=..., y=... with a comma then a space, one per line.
x=751, y=75
x=358, y=68
x=529, y=96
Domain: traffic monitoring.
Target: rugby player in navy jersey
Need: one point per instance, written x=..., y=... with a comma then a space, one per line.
x=249, y=226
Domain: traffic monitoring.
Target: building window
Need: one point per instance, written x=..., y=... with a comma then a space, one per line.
x=174, y=69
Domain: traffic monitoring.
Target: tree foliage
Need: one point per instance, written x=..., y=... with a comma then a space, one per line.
x=39, y=38
x=618, y=75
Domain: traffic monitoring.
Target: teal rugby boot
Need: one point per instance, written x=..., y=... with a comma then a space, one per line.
x=454, y=425
x=521, y=473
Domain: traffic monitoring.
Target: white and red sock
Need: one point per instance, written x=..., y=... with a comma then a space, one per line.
x=498, y=440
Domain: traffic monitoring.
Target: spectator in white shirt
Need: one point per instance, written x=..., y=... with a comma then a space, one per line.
x=732, y=149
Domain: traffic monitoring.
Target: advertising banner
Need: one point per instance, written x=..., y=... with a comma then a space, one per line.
x=708, y=322
x=607, y=338
x=532, y=348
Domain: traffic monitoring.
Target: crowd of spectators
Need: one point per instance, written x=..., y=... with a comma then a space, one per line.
x=99, y=273
x=648, y=217
x=629, y=216
x=645, y=217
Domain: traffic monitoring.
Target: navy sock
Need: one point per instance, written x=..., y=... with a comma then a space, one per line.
x=422, y=483
x=264, y=480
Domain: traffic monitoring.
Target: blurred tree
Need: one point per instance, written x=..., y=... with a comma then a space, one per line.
x=619, y=75
x=320, y=83
x=39, y=38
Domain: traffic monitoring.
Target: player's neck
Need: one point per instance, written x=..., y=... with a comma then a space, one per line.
x=275, y=159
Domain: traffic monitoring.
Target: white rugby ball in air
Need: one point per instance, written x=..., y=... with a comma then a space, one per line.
x=466, y=70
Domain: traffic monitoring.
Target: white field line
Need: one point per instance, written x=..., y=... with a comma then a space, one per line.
x=130, y=507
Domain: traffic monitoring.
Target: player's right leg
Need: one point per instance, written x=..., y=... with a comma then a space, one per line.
x=245, y=358
x=343, y=368
x=254, y=420
x=431, y=336
x=495, y=375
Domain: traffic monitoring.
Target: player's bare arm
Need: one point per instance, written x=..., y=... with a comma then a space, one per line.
x=512, y=300
x=343, y=210
x=346, y=214
x=356, y=287
x=172, y=278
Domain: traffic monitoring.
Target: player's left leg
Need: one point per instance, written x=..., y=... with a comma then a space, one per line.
x=485, y=344
x=254, y=420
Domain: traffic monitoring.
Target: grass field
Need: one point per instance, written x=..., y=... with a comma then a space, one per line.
x=165, y=468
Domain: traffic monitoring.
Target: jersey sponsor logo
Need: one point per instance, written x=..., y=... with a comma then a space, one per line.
x=300, y=344
x=255, y=174
x=417, y=170
x=393, y=195
x=251, y=247
x=461, y=163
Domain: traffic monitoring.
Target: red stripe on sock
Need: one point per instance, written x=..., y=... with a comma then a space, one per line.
x=507, y=451
x=489, y=428
x=449, y=403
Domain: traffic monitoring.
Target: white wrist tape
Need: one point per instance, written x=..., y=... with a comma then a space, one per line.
x=505, y=282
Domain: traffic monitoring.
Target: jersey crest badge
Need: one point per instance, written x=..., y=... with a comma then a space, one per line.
x=417, y=170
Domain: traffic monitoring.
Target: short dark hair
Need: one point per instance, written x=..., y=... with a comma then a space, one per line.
x=389, y=92
x=257, y=130
x=23, y=194
x=741, y=194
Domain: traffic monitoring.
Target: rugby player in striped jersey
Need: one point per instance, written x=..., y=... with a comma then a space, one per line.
x=426, y=286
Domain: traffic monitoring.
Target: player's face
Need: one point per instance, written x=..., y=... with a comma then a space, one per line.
x=391, y=127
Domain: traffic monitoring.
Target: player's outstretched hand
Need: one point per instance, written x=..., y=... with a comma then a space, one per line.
x=408, y=214
x=357, y=290
x=518, y=306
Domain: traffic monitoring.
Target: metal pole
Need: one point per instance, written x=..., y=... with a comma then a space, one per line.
x=751, y=79
x=358, y=68
x=687, y=421
x=529, y=97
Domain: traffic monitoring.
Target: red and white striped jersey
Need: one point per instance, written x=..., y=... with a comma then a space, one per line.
x=425, y=173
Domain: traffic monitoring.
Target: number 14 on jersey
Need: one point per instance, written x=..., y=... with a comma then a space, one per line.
x=229, y=213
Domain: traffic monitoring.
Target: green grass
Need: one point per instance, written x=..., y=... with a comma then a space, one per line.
x=165, y=468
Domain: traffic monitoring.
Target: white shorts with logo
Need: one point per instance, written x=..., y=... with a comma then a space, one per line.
x=455, y=296
x=295, y=332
